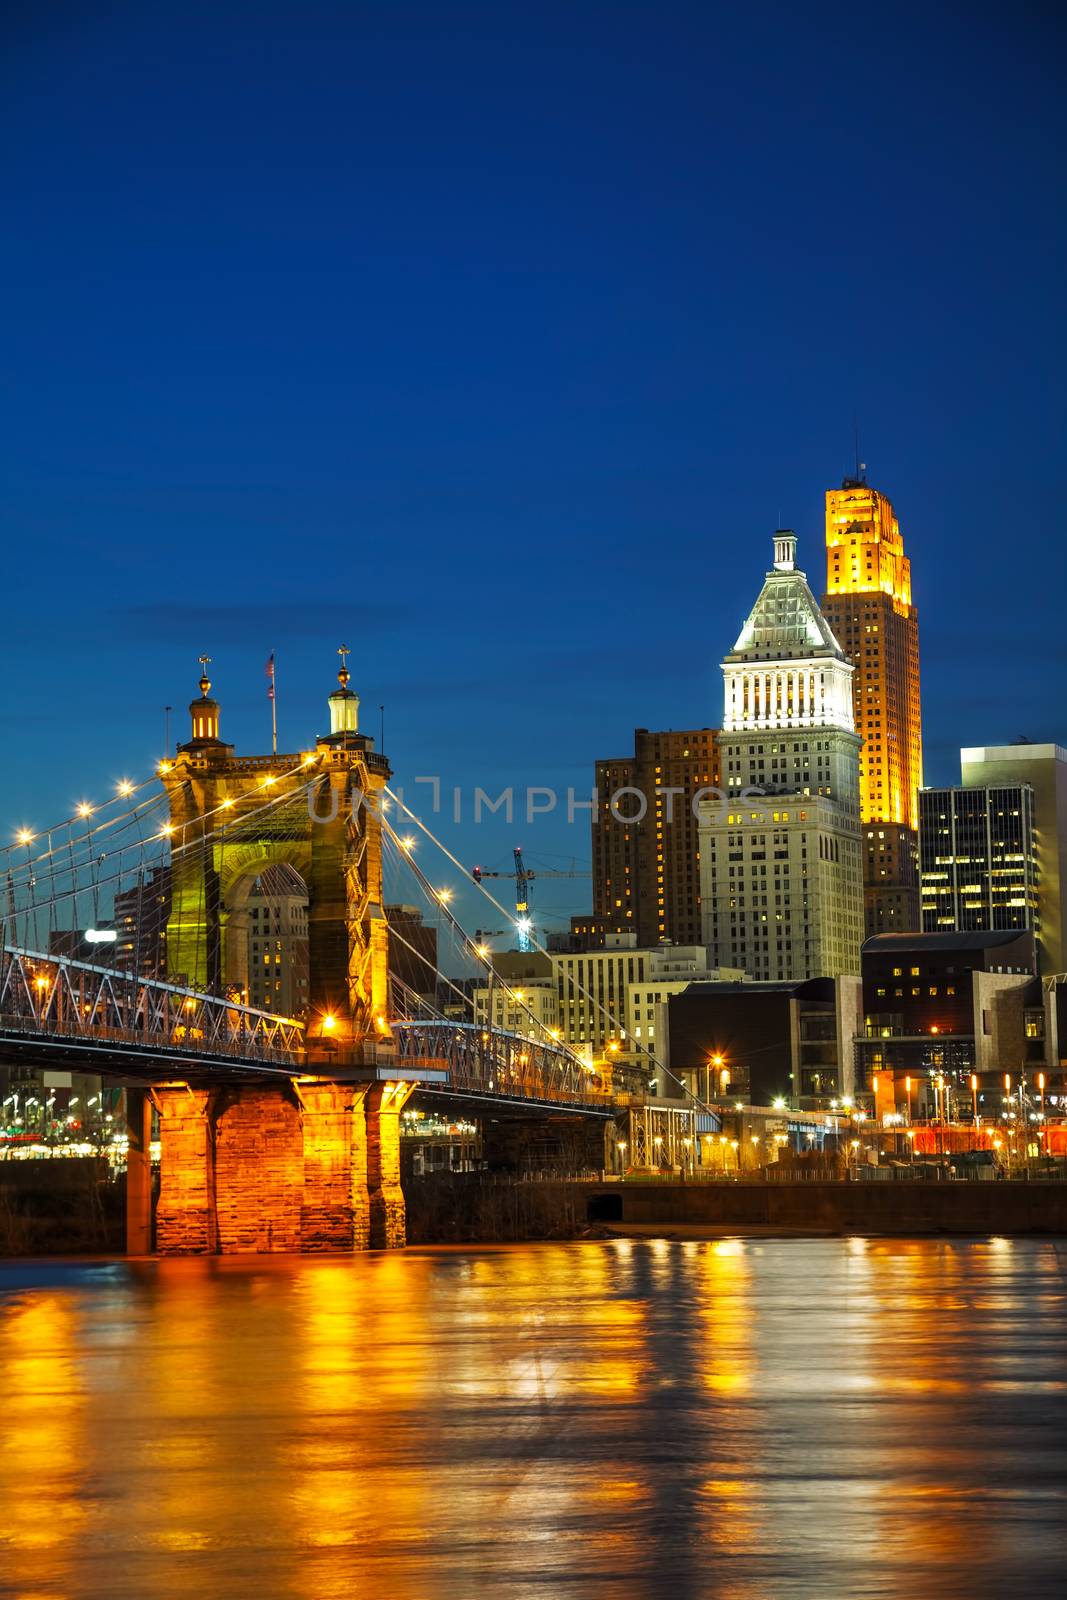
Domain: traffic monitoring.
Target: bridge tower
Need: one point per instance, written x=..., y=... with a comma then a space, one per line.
x=318, y=810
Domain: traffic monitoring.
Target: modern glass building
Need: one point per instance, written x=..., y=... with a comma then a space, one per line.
x=977, y=859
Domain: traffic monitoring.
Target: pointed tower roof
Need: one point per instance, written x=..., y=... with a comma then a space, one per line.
x=786, y=623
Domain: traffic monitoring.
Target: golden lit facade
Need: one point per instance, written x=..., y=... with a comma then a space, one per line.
x=868, y=605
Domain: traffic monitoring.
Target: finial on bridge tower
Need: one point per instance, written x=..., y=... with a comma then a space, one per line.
x=205, y=711
x=344, y=705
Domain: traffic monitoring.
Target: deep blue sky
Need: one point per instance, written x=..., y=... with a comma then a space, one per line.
x=495, y=341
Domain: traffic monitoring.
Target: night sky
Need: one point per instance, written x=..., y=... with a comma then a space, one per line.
x=495, y=342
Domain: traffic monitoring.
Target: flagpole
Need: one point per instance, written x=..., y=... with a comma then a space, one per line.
x=274, y=704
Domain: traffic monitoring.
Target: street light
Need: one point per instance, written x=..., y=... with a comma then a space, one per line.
x=621, y=1149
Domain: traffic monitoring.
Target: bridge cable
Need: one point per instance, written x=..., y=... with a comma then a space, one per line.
x=687, y=1093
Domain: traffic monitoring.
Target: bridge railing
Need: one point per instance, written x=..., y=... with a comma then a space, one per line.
x=65, y=999
x=501, y=1064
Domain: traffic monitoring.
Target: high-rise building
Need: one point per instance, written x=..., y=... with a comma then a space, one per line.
x=412, y=950
x=868, y=605
x=277, y=910
x=977, y=859
x=1044, y=768
x=140, y=922
x=780, y=869
x=646, y=875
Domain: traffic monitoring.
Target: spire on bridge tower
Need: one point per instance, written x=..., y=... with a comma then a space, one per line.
x=205, y=711
x=344, y=704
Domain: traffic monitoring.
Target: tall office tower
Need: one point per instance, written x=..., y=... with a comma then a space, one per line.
x=1044, y=768
x=868, y=605
x=412, y=950
x=140, y=922
x=646, y=876
x=977, y=861
x=780, y=868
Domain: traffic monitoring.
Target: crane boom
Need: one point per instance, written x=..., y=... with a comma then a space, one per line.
x=523, y=879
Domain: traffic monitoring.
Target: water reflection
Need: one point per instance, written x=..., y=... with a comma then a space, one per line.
x=744, y=1418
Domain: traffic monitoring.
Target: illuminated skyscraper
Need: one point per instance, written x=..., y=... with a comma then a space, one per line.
x=780, y=861
x=868, y=605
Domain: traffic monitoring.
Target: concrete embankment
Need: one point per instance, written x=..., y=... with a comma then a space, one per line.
x=888, y=1208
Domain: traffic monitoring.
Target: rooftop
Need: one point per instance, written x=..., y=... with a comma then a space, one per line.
x=984, y=939
x=785, y=624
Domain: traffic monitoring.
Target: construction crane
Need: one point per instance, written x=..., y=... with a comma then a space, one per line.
x=523, y=878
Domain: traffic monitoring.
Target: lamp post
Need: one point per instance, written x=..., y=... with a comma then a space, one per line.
x=716, y=1061
x=621, y=1151
x=974, y=1099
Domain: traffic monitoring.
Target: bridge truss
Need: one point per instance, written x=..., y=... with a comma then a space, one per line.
x=47, y=1001
x=491, y=1063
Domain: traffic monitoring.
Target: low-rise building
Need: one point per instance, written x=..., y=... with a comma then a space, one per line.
x=520, y=994
x=764, y=1041
x=939, y=1007
x=594, y=989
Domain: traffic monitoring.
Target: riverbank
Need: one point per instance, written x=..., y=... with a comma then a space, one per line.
x=458, y=1210
x=84, y=1215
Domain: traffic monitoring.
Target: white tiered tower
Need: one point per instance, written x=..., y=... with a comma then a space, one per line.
x=780, y=870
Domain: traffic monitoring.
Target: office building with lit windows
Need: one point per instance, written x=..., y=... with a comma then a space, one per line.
x=761, y=1041
x=780, y=867
x=943, y=1005
x=646, y=876
x=868, y=605
x=598, y=990
x=1043, y=768
x=277, y=922
x=977, y=859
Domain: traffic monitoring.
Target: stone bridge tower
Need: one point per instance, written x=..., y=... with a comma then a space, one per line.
x=318, y=810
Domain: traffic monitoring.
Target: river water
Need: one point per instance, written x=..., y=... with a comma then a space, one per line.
x=755, y=1419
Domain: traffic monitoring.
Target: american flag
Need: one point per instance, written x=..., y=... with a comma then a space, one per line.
x=270, y=674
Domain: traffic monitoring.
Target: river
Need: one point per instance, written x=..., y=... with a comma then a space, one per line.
x=759, y=1419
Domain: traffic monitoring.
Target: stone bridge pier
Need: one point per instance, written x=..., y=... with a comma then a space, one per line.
x=304, y=1166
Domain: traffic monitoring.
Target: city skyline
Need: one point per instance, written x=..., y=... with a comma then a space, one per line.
x=517, y=422
x=526, y=527
x=548, y=833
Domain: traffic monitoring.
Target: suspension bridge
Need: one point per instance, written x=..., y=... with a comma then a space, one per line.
x=277, y=1132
